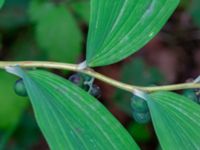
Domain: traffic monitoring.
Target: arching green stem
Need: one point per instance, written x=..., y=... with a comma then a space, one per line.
x=91, y=72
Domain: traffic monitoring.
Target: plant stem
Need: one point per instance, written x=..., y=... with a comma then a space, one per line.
x=88, y=71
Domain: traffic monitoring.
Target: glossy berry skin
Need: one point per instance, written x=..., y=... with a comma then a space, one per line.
x=95, y=91
x=77, y=79
x=20, y=89
x=139, y=105
x=141, y=118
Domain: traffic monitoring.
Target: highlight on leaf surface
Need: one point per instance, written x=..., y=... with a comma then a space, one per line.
x=69, y=117
x=118, y=28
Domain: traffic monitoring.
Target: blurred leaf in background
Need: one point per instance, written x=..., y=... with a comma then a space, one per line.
x=139, y=132
x=14, y=14
x=195, y=11
x=39, y=9
x=57, y=32
x=24, y=47
x=12, y=107
x=1, y=3
x=27, y=135
x=82, y=10
x=184, y=4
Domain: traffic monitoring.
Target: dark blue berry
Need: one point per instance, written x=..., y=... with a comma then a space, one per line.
x=20, y=88
x=77, y=79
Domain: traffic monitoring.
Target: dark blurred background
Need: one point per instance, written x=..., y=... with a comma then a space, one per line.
x=56, y=30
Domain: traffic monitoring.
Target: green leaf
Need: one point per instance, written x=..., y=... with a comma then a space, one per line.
x=140, y=132
x=24, y=48
x=82, y=10
x=14, y=15
x=118, y=28
x=12, y=106
x=5, y=136
x=194, y=11
x=1, y=3
x=69, y=117
x=39, y=9
x=59, y=36
x=176, y=121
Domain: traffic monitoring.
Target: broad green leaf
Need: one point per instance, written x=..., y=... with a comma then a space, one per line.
x=69, y=117
x=118, y=28
x=59, y=36
x=176, y=121
x=1, y=3
x=12, y=106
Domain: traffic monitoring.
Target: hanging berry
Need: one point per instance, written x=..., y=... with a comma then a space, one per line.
x=77, y=79
x=20, y=88
x=141, y=117
x=86, y=83
x=140, y=110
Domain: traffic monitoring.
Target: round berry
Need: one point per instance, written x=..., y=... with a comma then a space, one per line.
x=95, y=91
x=139, y=105
x=20, y=88
x=141, y=117
x=77, y=79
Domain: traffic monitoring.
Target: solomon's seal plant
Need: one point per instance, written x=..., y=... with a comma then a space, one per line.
x=70, y=118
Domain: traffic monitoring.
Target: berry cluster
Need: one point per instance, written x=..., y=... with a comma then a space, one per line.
x=140, y=110
x=87, y=83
